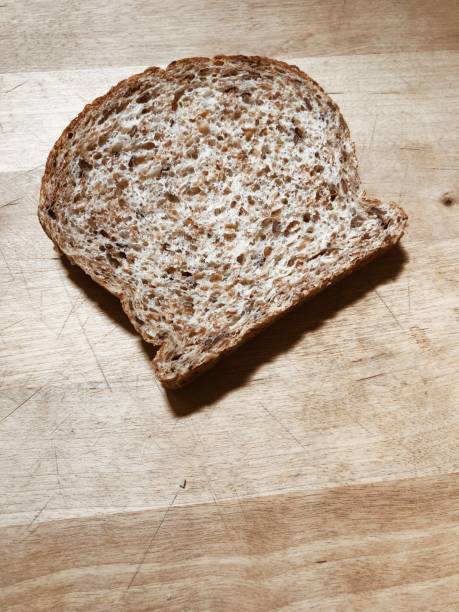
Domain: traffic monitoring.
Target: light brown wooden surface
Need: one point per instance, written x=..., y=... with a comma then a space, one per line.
x=316, y=468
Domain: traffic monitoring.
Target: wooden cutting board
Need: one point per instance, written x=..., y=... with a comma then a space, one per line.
x=316, y=468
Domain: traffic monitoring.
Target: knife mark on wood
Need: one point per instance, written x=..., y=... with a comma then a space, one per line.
x=7, y=264
x=409, y=297
x=284, y=427
x=58, y=474
x=11, y=325
x=94, y=354
x=388, y=308
x=150, y=543
x=370, y=377
x=75, y=305
x=26, y=284
x=27, y=530
x=14, y=88
x=22, y=404
x=370, y=144
x=11, y=203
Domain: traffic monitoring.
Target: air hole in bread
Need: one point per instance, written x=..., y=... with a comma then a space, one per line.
x=113, y=261
x=84, y=165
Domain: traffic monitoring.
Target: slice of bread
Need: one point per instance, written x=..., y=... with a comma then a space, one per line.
x=211, y=197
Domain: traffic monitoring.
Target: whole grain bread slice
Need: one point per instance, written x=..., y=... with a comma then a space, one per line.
x=211, y=197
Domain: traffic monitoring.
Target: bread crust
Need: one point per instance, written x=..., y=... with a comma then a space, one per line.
x=48, y=194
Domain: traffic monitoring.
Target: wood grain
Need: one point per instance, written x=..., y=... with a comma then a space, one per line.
x=92, y=34
x=316, y=468
x=379, y=546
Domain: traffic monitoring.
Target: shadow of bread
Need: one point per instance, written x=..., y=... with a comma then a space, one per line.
x=237, y=368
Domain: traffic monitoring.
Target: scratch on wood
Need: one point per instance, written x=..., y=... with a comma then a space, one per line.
x=402, y=185
x=57, y=463
x=208, y=480
x=341, y=18
x=61, y=422
x=58, y=474
x=284, y=427
x=370, y=377
x=27, y=530
x=389, y=309
x=15, y=87
x=150, y=543
x=94, y=354
x=35, y=168
x=22, y=403
x=443, y=168
x=11, y=203
x=238, y=497
x=293, y=365
x=96, y=441
x=217, y=505
x=11, y=325
x=354, y=419
x=75, y=304
x=110, y=331
x=35, y=469
x=409, y=297
x=370, y=144
x=7, y=264
x=26, y=284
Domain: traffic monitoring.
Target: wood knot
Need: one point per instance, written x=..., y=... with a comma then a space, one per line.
x=447, y=199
